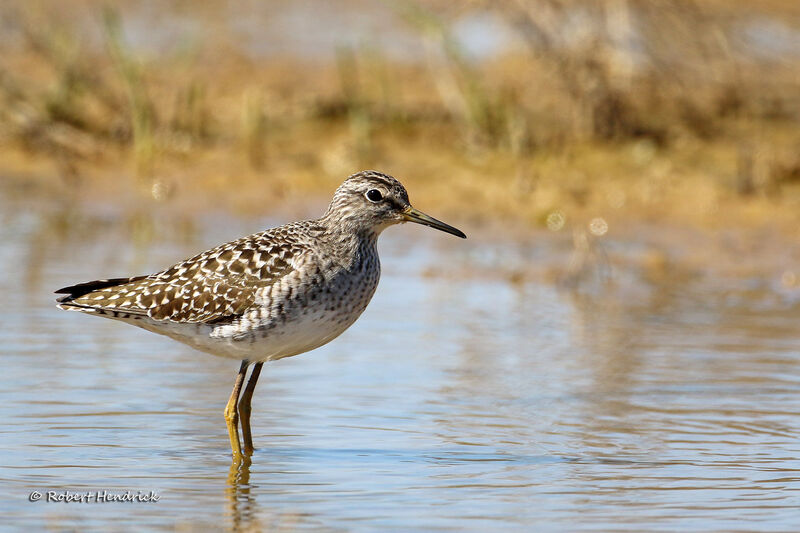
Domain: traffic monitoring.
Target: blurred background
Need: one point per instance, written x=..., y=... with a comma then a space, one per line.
x=618, y=333
x=681, y=110
x=561, y=115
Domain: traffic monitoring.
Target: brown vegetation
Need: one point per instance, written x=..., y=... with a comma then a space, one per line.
x=682, y=109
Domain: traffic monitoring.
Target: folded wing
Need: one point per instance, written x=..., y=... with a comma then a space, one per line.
x=213, y=287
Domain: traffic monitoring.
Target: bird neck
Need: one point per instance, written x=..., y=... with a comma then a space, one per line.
x=351, y=242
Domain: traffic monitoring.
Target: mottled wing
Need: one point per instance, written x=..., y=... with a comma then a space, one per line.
x=213, y=287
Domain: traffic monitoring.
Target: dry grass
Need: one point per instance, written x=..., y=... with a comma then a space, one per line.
x=695, y=126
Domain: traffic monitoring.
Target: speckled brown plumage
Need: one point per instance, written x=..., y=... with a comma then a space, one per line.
x=216, y=285
x=269, y=295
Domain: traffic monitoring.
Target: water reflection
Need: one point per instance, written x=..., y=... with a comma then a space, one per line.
x=496, y=404
x=242, y=505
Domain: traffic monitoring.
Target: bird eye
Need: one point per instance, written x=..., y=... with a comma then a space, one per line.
x=374, y=195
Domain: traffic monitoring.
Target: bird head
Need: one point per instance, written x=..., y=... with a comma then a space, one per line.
x=371, y=201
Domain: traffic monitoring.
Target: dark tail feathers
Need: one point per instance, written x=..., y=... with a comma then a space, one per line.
x=81, y=289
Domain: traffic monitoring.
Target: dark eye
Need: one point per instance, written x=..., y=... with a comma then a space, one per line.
x=374, y=195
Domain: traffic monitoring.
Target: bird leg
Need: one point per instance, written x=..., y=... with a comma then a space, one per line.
x=244, y=408
x=232, y=415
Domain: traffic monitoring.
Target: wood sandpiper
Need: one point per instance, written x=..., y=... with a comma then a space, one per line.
x=274, y=294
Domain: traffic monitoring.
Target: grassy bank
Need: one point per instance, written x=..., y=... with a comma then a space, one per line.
x=697, y=127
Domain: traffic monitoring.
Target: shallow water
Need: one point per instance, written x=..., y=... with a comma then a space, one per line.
x=454, y=403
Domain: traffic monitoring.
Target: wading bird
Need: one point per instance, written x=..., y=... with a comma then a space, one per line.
x=274, y=294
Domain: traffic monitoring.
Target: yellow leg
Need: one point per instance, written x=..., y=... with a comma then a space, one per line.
x=244, y=408
x=232, y=415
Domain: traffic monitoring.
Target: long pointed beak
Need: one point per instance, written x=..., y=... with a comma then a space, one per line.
x=414, y=215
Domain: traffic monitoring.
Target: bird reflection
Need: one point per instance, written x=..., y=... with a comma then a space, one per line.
x=241, y=503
